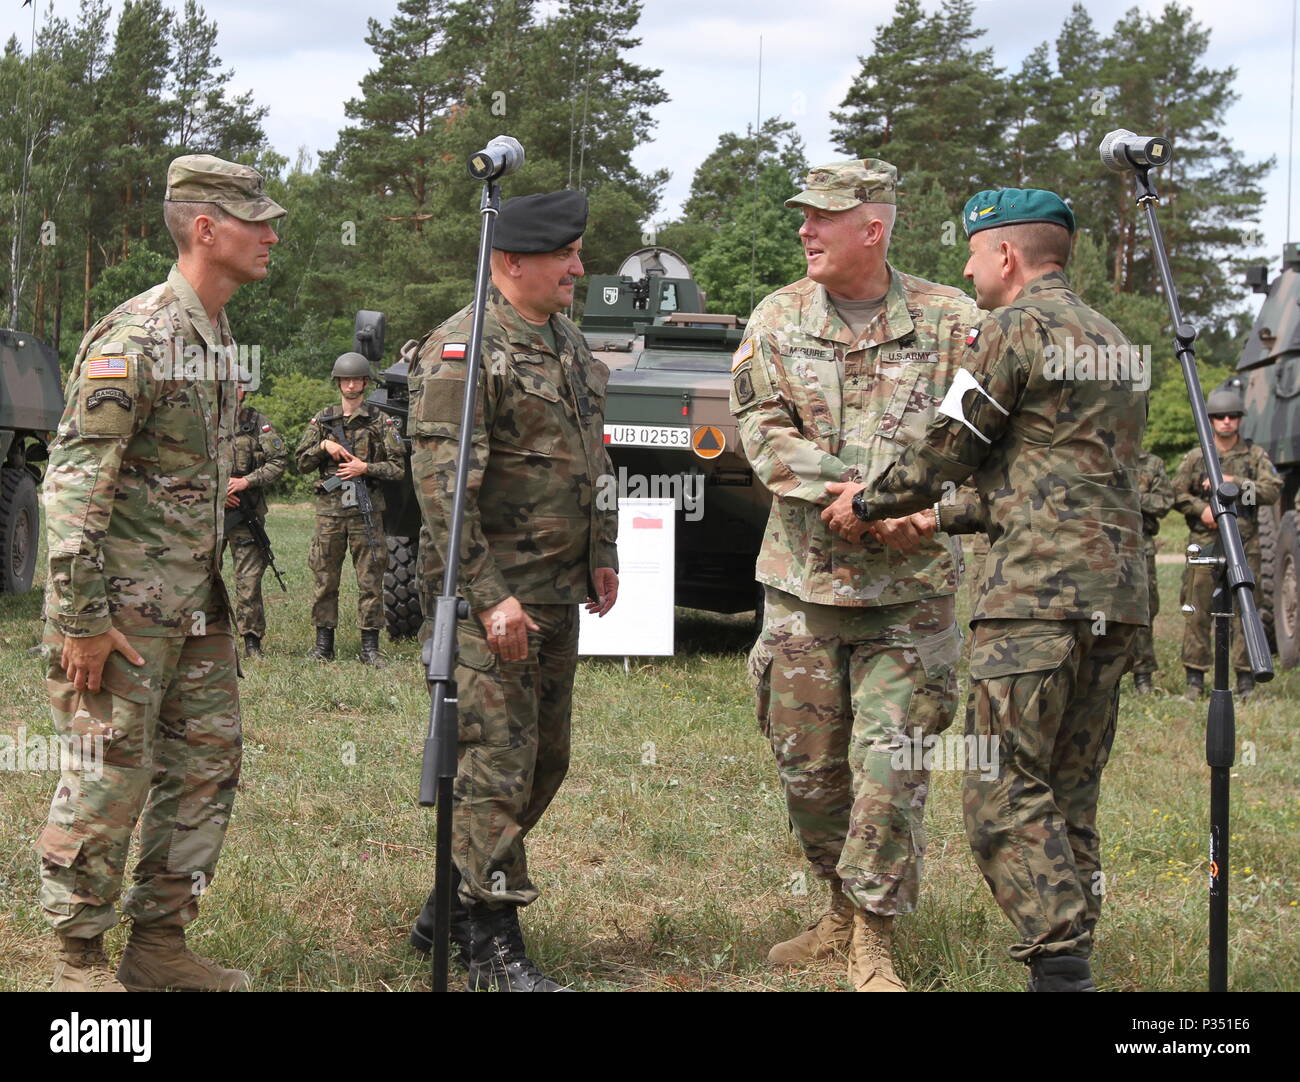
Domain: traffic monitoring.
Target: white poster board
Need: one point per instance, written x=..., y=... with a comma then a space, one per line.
x=641, y=622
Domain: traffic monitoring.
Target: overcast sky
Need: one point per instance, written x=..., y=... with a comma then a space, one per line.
x=303, y=60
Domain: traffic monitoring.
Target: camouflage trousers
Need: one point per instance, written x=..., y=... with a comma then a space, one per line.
x=514, y=751
x=249, y=565
x=335, y=536
x=1144, y=643
x=170, y=733
x=1198, y=627
x=1048, y=692
x=846, y=695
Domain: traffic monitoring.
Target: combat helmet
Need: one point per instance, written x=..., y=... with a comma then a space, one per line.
x=351, y=366
x=1225, y=401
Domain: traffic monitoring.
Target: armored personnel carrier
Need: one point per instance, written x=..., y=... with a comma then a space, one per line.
x=1268, y=377
x=31, y=403
x=668, y=426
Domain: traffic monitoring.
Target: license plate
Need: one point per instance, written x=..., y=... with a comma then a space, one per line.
x=677, y=437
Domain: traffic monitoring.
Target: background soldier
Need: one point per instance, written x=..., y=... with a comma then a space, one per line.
x=1156, y=498
x=857, y=656
x=133, y=495
x=1249, y=467
x=260, y=458
x=535, y=544
x=1064, y=588
x=376, y=455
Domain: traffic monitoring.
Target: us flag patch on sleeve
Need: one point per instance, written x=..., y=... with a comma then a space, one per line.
x=453, y=351
x=108, y=368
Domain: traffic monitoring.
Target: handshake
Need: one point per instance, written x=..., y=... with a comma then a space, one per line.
x=904, y=534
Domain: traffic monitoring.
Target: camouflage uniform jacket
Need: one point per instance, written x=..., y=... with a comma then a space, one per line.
x=1057, y=475
x=136, y=483
x=374, y=438
x=814, y=406
x=534, y=526
x=1255, y=474
x=1155, y=496
x=260, y=456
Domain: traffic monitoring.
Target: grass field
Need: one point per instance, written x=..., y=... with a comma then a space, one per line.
x=676, y=875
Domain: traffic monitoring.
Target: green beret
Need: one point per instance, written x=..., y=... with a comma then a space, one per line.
x=237, y=189
x=1015, y=206
x=843, y=185
x=540, y=223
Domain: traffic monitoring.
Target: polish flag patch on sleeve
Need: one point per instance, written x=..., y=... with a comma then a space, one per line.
x=266, y=428
x=972, y=336
x=453, y=351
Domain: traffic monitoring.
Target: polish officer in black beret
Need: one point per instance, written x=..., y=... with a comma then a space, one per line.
x=536, y=544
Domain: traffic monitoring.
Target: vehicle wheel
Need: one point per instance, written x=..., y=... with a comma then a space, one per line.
x=1268, y=526
x=20, y=524
x=401, y=590
x=1286, y=591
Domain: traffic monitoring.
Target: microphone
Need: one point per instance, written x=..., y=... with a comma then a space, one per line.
x=501, y=157
x=1121, y=150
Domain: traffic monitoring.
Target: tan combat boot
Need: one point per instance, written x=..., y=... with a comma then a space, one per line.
x=871, y=969
x=825, y=939
x=83, y=967
x=156, y=960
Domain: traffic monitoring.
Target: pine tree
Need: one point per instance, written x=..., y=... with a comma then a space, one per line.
x=204, y=119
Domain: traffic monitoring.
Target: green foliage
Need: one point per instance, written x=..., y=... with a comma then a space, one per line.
x=755, y=248
x=290, y=401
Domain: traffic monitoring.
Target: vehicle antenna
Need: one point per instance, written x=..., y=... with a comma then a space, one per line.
x=758, y=160
x=16, y=286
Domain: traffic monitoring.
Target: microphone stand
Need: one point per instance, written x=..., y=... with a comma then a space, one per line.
x=439, y=653
x=1233, y=580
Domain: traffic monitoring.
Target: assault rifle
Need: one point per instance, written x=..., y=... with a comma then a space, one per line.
x=241, y=516
x=357, y=495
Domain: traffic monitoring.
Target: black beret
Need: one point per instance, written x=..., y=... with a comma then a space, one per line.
x=540, y=223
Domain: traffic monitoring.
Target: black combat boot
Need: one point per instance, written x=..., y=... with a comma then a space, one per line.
x=1195, y=685
x=1142, y=683
x=324, y=648
x=252, y=646
x=497, y=961
x=422, y=933
x=370, y=654
x=1060, y=973
x=1245, y=685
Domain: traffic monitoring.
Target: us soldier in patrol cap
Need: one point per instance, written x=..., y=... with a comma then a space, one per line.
x=1156, y=498
x=536, y=544
x=856, y=662
x=260, y=459
x=360, y=443
x=1247, y=465
x=1054, y=459
x=142, y=671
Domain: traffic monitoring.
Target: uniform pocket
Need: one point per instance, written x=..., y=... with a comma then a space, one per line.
x=760, y=675
x=1002, y=648
x=483, y=708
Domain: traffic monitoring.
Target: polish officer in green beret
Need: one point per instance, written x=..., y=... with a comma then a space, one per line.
x=1046, y=417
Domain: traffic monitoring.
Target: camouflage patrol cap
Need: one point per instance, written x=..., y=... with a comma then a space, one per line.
x=201, y=178
x=1225, y=401
x=844, y=185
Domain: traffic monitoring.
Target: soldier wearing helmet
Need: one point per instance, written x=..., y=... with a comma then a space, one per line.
x=360, y=444
x=1249, y=468
x=260, y=457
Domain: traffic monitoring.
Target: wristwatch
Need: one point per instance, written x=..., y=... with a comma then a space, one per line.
x=860, y=505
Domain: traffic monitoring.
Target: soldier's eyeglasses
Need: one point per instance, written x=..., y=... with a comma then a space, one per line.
x=1222, y=416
